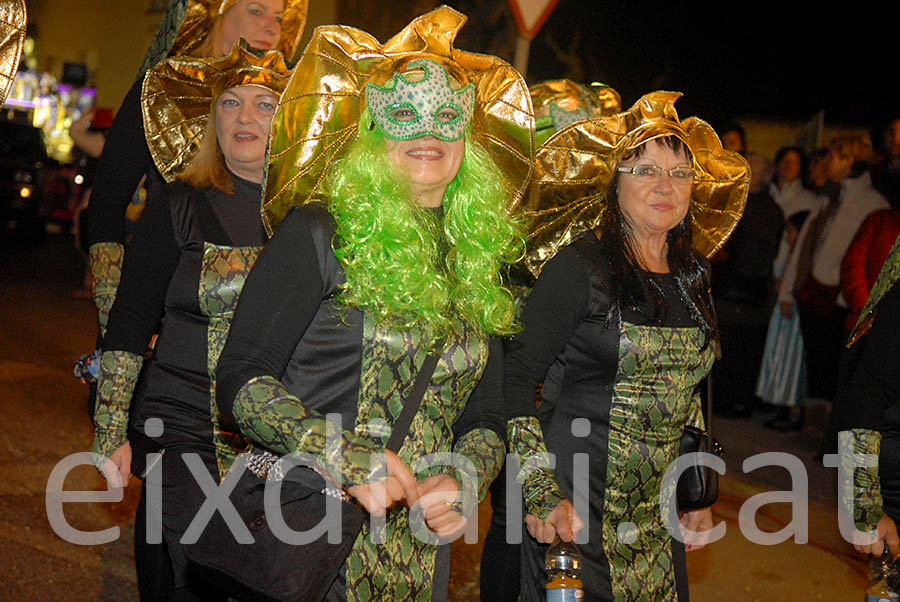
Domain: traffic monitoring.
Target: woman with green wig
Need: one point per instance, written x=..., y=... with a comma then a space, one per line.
x=391, y=168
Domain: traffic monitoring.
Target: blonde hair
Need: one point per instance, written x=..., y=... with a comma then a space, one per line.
x=210, y=44
x=855, y=146
x=207, y=168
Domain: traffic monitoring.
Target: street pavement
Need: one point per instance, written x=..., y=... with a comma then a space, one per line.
x=45, y=328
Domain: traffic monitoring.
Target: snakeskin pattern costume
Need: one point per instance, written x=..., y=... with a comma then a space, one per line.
x=653, y=400
x=106, y=271
x=619, y=388
x=343, y=362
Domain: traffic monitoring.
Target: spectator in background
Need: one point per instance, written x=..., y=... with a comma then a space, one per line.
x=787, y=187
x=743, y=291
x=90, y=140
x=864, y=258
x=789, y=191
x=734, y=138
x=816, y=173
x=813, y=278
x=782, y=377
x=886, y=170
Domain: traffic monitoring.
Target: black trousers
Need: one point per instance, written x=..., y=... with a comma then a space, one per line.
x=823, y=339
x=164, y=574
x=500, y=563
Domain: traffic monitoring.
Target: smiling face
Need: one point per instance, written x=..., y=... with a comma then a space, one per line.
x=257, y=21
x=423, y=115
x=652, y=207
x=243, y=115
x=430, y=163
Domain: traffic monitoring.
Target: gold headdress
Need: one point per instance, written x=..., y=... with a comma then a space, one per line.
x=200, y=14
x=574, y=167
x=12, y=36
x=572, y=101
x=187, y=22
x=179, y=92
x=321, y=107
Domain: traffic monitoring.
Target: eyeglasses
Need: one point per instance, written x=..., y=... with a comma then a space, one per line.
x=647, y=172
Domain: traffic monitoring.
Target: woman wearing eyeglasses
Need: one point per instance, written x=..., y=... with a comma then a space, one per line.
x=620, y=327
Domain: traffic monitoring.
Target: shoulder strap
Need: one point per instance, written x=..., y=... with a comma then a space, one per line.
x=192, y=205
x=588, y=248
x=321, y=228
x=401, y=427
x=210, y=226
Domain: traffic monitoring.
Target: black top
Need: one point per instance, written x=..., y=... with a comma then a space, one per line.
x=872, y=365
x=315, y=358
x=619, y=390
x=125, y=160
x=742, y=282
x=182, y=275
x=869, y=400
x=290, y=326
x=565, y=295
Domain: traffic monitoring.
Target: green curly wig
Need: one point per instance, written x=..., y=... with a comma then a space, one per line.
x=413, y=267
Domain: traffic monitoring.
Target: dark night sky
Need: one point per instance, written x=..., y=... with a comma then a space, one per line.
x=734, y=59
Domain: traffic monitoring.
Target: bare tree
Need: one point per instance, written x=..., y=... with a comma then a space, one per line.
x=381, y=19
x=571, y=56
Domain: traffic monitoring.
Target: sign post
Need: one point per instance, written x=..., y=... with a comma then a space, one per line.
x=530, y=16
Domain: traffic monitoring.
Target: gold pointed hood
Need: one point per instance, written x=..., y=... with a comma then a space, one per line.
x=574, y=167
x=187, y=22
x=178, y=95
x=12, y=37
x=321, y=107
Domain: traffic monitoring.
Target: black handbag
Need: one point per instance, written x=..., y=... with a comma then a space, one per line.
x=698, y=485
x=269, y=569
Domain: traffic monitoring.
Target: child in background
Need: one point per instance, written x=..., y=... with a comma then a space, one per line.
x=782, y=377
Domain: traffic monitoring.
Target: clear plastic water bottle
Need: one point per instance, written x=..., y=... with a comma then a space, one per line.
x=563, y=564
x=881, y=570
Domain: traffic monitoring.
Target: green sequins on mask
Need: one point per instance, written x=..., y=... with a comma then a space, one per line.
x=562, y=118
x=405, y=110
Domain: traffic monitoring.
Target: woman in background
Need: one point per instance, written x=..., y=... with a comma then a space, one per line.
x=182, y=277
x=195, y=28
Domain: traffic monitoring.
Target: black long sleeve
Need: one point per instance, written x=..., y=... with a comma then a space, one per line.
x=875, y=384
x=125, y=160
x=552, y=312
x=150, y=263
x=278, y=302
x=485, y=406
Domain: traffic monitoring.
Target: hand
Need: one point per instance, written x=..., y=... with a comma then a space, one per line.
x=698, y=521
x=787, y=310
x=886, y=532
x=81, y=124
x=400, y=485
x=117, y=469
x=437, y=495
x=561, y=521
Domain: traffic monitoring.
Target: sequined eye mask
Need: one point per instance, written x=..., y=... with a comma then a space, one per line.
x=561, y=118
x=405, y=110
